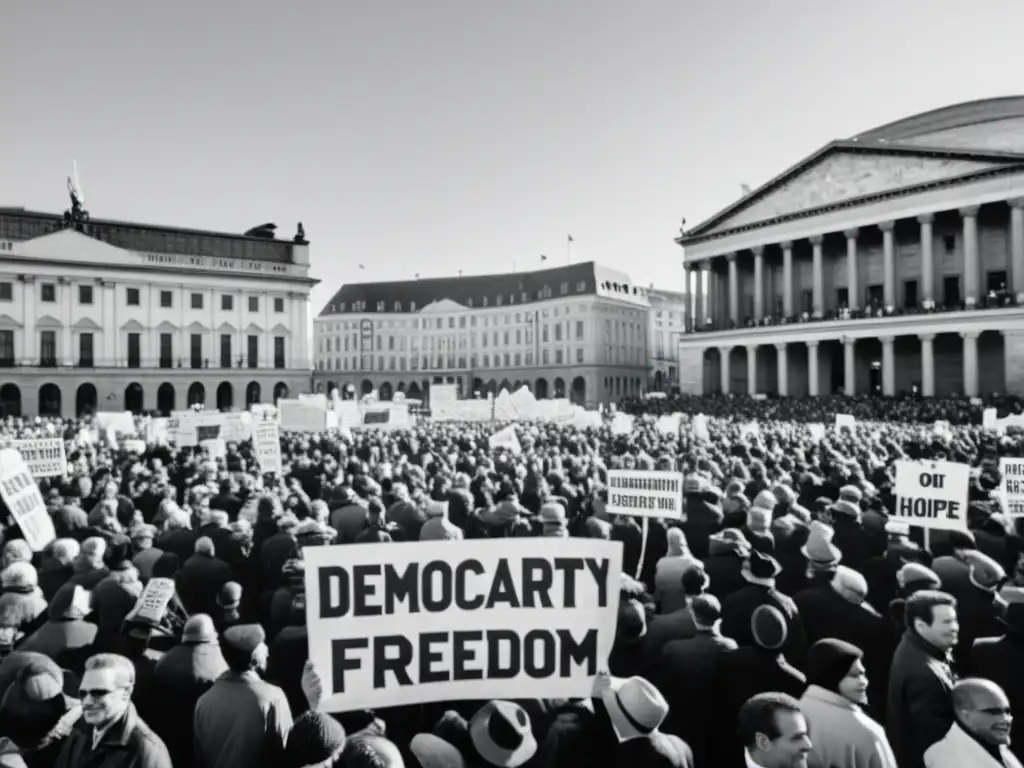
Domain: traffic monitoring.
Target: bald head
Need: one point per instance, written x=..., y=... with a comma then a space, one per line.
x=983, y=710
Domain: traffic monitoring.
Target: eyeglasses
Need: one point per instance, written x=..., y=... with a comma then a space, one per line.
x=96, y=693
x=996, y=711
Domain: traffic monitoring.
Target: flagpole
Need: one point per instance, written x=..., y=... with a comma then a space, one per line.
x=568, y=249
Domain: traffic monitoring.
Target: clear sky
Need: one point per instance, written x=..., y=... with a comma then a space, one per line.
x=434, y=136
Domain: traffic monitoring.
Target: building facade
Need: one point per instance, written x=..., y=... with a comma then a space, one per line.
x=666, y=324
x=577, y=331
x=103, y=315
x=890, y=262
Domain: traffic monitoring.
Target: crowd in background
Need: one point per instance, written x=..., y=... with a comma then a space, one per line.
x=781, y=623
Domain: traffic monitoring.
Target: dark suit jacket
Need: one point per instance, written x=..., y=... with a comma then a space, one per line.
x=919, y=711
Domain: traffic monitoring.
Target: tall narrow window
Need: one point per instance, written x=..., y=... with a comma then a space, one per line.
x=48, y=349
x=196, y=350
x=134, y=350
x=225, y=350
x=279, y=356
x=253, y=351
x=85, y=350
x=166, y=350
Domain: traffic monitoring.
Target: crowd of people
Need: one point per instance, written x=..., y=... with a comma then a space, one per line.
x=780, y=623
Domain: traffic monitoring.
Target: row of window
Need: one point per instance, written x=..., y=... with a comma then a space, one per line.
x=133, y=297
x=338, y=343
x=499, y=300
x=444, y=362
x=48, y=355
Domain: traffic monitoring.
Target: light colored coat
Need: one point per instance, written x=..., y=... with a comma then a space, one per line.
x=959, y=750
x=842, y=736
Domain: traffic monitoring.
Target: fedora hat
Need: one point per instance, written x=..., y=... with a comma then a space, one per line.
x=502, y=734
x=635, y=707
x=819, y=549
x=761, y=566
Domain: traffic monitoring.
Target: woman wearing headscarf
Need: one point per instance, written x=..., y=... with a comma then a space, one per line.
x=842, y=734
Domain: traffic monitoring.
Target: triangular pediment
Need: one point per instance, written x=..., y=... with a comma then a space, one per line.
x=840, y=172
x=441, y=306
x=226, y=328
x=87, y=324
x=280, y=330
x=254, y=329
x=197, y=328
x=49, y=321
x=167, y=327
x=71, y=245
x=8, y=323
x=133, y=326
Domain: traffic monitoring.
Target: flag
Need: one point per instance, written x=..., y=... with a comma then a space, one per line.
x=362, y=267
x=570, y=238
x=543, y=257
x=745, y=189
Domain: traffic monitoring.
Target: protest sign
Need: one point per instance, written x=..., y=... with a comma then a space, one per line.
x=441, y=621
x=152, y=603
x=267, y=444
x=123, y=422
x=845, y=420
x=989, y=418
x=301, y=416
x=21, y=495
x=1012, y=485
x=645, y=494
x=505, y=439
x=817, y=431
x=932, y=494
x=43, y=456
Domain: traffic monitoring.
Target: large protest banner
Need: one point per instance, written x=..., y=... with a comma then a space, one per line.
x=932, y=494
x=21, y=495
x=397, y=624
x=44, y=456
x=645, y=494
x=266, y=438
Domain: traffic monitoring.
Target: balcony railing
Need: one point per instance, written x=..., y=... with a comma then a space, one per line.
x=994, y=300
x=155, y=363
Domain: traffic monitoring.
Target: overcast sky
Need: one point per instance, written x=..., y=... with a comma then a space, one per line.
x=434, y=136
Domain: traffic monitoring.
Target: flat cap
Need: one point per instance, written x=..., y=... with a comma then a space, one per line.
x=244, y=638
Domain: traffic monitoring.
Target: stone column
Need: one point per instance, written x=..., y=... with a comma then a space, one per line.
x=700, y=292
x=787, y=278
x=927, y=258
x=889, y=262
x=850, y=366
x=1016, y=282
x=782, y=367
x=758, y=283
x=970, y=363
x=29, y=333
x=927, y=364
x=691, y=315
x=813, y=379
x=67, y=341
x=852, y=269
x=752, y=369
x=888, y=365
x=817, y=271
x=734, y=289
x=970, y=216
x=723, y=358
x=709, y=290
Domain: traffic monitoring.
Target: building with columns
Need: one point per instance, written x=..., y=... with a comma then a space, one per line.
x=576, y=331
x=110, y=316
x=889, y=262
x=670, y=312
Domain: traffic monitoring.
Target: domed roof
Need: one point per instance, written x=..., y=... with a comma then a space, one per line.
x=969, y=113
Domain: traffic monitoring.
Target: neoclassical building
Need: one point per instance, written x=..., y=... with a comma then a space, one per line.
x=889, y=262
x=576, y=331
x=104, y=315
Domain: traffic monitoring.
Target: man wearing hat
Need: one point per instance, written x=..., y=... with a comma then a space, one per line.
x=242, y=721
x=759, y=571
x=186, y=672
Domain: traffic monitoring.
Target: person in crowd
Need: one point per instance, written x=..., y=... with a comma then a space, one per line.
x=980, y=737
x=921, y=679
x=773, y=732
x=842, y=734
x=669, y=592
x=110, y=732
x=242, y=720
x=679, y=624
x=1001, y=658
